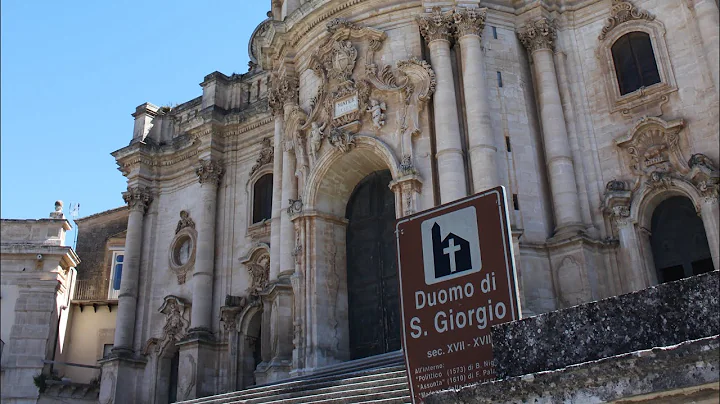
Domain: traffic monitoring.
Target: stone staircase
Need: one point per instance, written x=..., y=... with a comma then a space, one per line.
x=379, y=379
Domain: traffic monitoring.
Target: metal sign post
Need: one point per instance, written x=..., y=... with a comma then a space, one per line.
x=457, y=279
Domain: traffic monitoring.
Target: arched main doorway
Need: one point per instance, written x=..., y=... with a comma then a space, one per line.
x=679, y=243
x=373, y=300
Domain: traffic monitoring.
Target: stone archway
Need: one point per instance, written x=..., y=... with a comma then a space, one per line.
x=373, y=300
x=679, y=244
x=320, y=282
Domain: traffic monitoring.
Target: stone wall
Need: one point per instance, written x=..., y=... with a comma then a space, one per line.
x=93, y=234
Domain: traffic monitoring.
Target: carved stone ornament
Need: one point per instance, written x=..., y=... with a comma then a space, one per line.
x=176, y=325
x=616, y=185
x=209, y=172
x=705, y=176
x=296, y=206
x=538, y=34
x=377, y=112
x=436, y=25
x=621, y=12
x=138, y=198
x=185, y=221
x=266, y=155
x=340, y=63
x=259, y=268
x=469, y=21
x=283, y=90
x=651, y=150
x=341, y=139
x=317, y=135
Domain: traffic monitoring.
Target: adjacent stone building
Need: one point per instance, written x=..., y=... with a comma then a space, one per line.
x=258, y=241
x=37, y=272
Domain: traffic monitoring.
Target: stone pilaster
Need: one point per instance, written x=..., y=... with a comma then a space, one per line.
x=710, y=212
x=138, y=200
x=634, y=272
x=209, y=175
x=538, y=36
x=708, y=20
x=436, y=28
x=469, y=25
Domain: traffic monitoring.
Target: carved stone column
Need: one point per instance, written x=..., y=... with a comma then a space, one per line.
x=706, y=12
x=469, y=24
x=436, y=28
x=209, y=175
x=289, y=195
x=277, y=191
x=538, y=37
x=138, y=200
x=633, y=268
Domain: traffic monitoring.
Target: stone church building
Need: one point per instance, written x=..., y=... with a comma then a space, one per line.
x=260, y=244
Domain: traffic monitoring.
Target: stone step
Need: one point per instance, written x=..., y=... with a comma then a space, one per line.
x=393, y=374
x=348, y=395
x=333, y=394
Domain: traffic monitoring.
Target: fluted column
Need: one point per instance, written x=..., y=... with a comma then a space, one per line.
x=138, y=200
x=469, y=24
x=277, y=193
x=539, y=38
x=289, y=194
x=436, y=28
x=209, y=175
x=708, y=18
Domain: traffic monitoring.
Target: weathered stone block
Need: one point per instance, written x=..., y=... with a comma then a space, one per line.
x=659, y=316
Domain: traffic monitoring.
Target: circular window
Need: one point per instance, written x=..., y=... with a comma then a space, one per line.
x=182, y=252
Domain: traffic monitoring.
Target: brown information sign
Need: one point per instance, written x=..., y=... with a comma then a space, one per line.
x=457, y=279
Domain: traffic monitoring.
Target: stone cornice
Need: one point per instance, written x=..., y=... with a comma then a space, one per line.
x=436, y=25
x=538, y=34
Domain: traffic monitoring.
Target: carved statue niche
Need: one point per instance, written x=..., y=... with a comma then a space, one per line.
x=652, y=152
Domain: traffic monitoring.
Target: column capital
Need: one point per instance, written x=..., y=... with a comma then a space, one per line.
x=283, y=90
x=210, y=171
x=436, y=25
x=469, y=21
x=621, y=215
x=138, y=198
x=538, y=34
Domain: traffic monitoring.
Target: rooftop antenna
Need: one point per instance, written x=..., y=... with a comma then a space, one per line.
x=74, y=213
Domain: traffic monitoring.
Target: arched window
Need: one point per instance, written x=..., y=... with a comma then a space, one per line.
x=262, y=198
x=635, y=63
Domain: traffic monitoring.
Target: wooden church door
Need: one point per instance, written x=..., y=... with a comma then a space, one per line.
x=373, y=292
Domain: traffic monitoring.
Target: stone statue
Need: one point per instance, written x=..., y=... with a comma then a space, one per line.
x=316, y=137
x=377, y=110
x=58, y=213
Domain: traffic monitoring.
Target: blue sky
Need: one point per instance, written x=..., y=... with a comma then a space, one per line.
x=72, y=73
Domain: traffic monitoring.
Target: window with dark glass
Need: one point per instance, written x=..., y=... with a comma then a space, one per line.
x=117, y=272
x=635, y=63
x=262, y=198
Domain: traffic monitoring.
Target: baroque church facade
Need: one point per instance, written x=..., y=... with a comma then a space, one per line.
x=260, y=244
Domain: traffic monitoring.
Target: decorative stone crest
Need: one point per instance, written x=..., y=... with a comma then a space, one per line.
x=185, y=221
x=266, y=155
x=209, y=172
x=341, y=139
x=341, y=61
x=538, y=34
x=469, y=21
x=652, y=150
x=436, y=25
x=138, y=198
x=621, y=12
x=377, y=112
